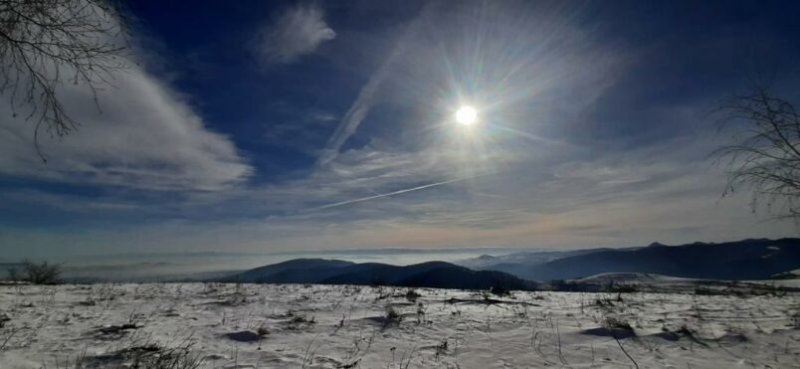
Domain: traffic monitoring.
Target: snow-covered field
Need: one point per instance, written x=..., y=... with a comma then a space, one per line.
x=299, y=326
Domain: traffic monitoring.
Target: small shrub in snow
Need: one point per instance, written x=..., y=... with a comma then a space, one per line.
x=392, y=315
x=412, y=296
x=499, y=291
x=616, y=323
x=244, y=336
x=441, y=349
x=301, y=319
x=420, y=313
x=623, y=288
x=139, y=356
x=118, y=329
x=36, y=273
x=488, y=299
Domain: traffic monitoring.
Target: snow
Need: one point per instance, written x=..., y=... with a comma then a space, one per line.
x=314, y=326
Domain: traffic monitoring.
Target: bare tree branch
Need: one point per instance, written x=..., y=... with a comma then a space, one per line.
x=44, y=43
x=766, y=157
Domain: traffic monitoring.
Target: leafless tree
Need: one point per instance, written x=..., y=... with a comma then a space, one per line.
x=45, y=43
x=766, y=155
x=37, y=273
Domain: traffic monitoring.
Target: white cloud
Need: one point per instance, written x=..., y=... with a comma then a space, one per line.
x=552, y=182
x=603, y=174
x=360, y=107
x=142, y=136
x=298, y=31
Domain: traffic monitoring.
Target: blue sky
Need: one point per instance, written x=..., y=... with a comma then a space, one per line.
x=272, y=126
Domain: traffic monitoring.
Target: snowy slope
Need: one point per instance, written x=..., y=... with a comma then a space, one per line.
x=322, y=326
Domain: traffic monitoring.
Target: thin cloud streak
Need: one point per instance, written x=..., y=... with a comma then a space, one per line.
x=360, y=108
x=583, y=151
x=398, y=192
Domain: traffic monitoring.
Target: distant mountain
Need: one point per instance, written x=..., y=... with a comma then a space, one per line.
x=294, y=271
x=524, y=258
x=740, y=260
x=750, y=259
x=434, y=274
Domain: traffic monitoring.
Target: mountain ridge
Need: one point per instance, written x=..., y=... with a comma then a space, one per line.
x=434, y=274
x=736, y=260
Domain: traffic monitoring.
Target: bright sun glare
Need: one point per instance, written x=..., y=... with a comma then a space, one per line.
x=466, y=115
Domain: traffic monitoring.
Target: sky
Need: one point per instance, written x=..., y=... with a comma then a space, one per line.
x=270, y=126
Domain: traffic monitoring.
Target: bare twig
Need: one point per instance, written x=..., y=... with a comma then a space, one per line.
x=45, y=43
x=625, y=351
x=766, y=156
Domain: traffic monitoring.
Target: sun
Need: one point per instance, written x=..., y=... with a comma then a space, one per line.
x=466, y=115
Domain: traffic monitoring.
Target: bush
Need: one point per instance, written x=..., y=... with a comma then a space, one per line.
x=623, y=288
x=499, y=291
x=392, y=315
x=41, y=273
x=412, y=295
x=144, y=356
x=616, y=323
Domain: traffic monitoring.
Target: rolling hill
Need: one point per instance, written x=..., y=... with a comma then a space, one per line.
x=739, y=260
x=435, y=274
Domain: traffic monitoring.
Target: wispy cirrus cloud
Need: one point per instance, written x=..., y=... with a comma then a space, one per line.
x=144, y=137
x=136, y=133
x=580, y=148
x=360, y=107
x=299, y=30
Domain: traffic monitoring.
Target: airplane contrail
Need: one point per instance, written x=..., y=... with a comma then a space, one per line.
x=378, y=196
x=359, y=109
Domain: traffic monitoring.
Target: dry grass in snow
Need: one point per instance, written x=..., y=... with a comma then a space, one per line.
x=188, y=326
